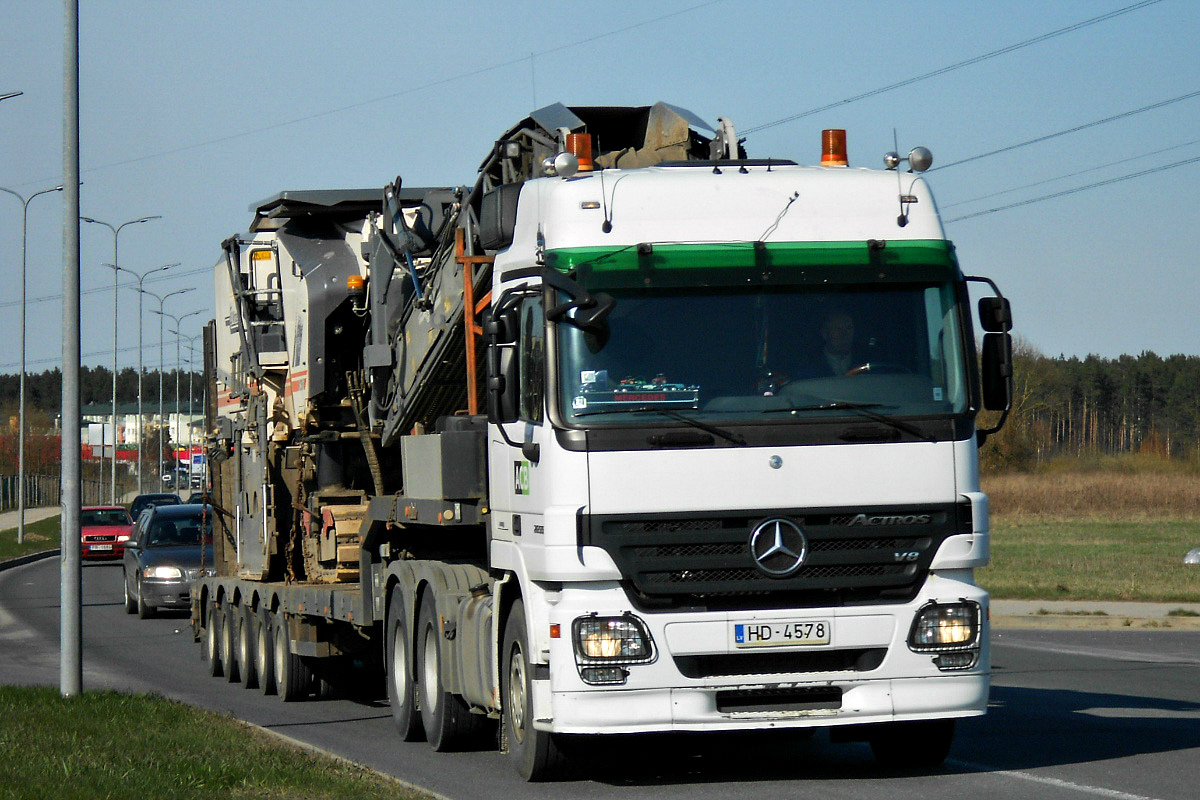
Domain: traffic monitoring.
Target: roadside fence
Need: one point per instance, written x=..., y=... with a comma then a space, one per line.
x=46, y=490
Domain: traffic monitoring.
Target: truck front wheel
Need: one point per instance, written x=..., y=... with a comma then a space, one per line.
x=912, y=745
x=401, y=688
x=536, y=753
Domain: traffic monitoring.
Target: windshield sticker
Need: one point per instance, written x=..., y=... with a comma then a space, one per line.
x=598, y=393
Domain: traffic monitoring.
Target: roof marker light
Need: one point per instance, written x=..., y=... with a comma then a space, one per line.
x=580, y=146
x=833, y=148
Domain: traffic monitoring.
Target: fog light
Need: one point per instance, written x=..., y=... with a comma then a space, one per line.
x=962, y=659
x=604, y=675
x=945, y=627
x=603, y=641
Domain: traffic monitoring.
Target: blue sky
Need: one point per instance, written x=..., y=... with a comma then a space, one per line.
x=195, y=110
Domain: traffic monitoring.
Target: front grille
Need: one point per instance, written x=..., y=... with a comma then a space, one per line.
x=855, y=557
x=778, y=701
x=725, y=665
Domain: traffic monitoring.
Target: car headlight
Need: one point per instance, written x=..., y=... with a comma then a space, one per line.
x=162, y=573
x=604, y=645
x=945, y=627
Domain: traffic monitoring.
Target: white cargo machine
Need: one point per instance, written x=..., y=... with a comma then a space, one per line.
x=636, y=434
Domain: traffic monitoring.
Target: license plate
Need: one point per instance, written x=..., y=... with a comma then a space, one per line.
x=782, y=634
x=100, y=547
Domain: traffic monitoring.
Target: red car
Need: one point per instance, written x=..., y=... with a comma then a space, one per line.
x=105, y=529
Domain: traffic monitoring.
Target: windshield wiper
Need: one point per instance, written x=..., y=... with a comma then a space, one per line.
x=866, y=409
x=728, y=436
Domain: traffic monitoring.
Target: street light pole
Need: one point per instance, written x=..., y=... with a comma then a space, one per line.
x=178, y=326
x=140, y=278
x=21, y=403
x=116, y=231
x=161, y=365
x=191, y=340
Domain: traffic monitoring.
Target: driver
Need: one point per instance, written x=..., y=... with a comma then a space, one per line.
x=837, y=356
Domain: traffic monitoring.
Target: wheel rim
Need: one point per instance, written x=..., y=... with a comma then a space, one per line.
x=210, y=639
x=264, y=652
x=429, y=669
x=243, y=641
x=280, y=660
x=399, y=664
x=516, y=692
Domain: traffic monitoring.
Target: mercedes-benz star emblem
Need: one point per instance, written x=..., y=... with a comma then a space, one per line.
x=778, y=546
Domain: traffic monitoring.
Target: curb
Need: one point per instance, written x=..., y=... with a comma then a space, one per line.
x=21, y=561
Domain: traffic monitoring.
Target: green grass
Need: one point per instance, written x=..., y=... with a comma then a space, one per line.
x=40, y=535
x=116, y=746
x=1080, y=559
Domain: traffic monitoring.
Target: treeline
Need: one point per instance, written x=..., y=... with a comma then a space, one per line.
x=1084, y=408
x=43, y=391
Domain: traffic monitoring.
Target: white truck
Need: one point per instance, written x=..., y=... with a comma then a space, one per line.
x=635, y=434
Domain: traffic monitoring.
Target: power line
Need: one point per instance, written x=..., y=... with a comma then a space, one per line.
x=1096, y=168
x=1076, y=129
x=429, y=85
x=98, y=289
x=1077, y=189
x=960, y=65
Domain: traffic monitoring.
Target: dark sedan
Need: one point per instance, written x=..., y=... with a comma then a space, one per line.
x=165, y=555
x=144, y=501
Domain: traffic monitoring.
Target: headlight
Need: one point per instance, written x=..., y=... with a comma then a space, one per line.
x=604, y=644
x=942, y=627
x=162, y=573
x=123, y=537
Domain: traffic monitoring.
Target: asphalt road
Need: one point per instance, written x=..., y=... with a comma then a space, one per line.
x=1075, y=714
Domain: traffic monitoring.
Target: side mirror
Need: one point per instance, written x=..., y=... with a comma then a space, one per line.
x=997, y=371
x=501, y=329
x=995, y=314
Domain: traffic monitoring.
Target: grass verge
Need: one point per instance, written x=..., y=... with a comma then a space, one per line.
x=1081, y=559
x=39, y=536
x=117, y=746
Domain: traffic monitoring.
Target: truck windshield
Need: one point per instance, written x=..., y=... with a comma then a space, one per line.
x=767, y=354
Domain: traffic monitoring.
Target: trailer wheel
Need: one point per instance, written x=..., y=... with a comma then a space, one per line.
x=210, y=637
x=402, y=691
x=228, y=632
x=535, y=752
x=912, y=745
x=264, y=652
x=292, y=678
x=448, y=722
x=246, y=657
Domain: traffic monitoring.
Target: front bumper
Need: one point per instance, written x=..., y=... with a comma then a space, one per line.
x=167, y=594
x=701, y=680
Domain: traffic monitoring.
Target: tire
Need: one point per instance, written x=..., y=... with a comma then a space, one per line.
x=144, y=611
x=264, y=653
x=246, y=655
x=912, y=745
x=402, y=689
x=535, y=753
x=293, y=681
x=228, y=642
x=210, y=642
x=448, y=722
x=130, y=603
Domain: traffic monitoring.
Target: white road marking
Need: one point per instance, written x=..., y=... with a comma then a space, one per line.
x=1098, y=791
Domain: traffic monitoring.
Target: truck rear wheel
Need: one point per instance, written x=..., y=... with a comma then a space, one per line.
x=448, y=722
x=264, y=652
x=293, y=681
x=535, y=752
x=228, y=631
x=402, y=692
x=912, y=745
x=246, y=638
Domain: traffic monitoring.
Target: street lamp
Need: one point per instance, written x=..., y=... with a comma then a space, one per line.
x=116, y=268
x=161, y=366
x=141, y=277
x=191, y=343
x=178, y=326
x=25, y=201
